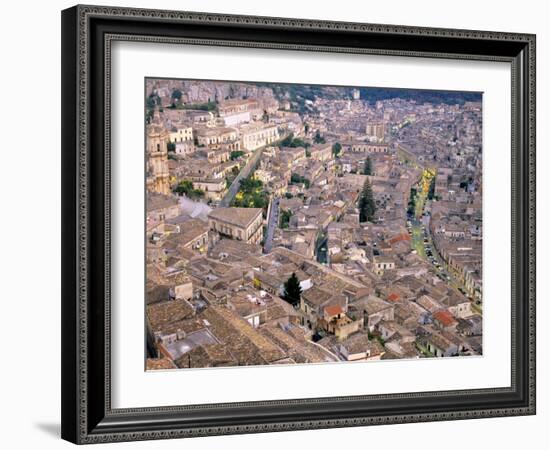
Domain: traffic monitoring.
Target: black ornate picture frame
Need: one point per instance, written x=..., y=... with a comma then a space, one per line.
x=87, y=35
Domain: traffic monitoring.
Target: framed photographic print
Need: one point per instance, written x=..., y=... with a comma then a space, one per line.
x=267, y=222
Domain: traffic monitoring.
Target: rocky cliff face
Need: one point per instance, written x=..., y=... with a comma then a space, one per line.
x=201, y=91
x=204, y=91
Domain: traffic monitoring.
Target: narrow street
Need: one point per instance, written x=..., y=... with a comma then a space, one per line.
x=244, y=173
x=422, y=243
x=272, y=223
x=417, y=238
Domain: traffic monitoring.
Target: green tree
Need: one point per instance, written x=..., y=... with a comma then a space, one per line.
x=287, y=141
x=412, y=202
x=176, y=95
x=318, y=139
x=431, y=191
x=367, y=169
x=293, y=290
x=236, y=154
x=285, y=218
x=185, y=187
x=291, y=141
x=151, y=102
x=367, y=207
x=251, y=194
x=299, y=179
x=336, y=149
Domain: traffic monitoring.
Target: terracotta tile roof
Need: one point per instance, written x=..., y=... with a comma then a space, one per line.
x=243, y=342
x=444, y=317
x=159, y=364
x=298, y=348
x=156, y=201
x=394, y=297
x=333, y=310
x=316, y=296
x=399, y=238
x=241, y=217
x=162, y=314
x=208, y=355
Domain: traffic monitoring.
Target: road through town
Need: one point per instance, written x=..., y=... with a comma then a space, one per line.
x=243, y=174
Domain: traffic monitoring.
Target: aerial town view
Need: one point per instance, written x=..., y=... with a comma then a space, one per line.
x=293, y=224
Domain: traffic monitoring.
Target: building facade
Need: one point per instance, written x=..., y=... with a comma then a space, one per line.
x=376, y=130
x=243, y=224
x=256, y=136
x=157, y=157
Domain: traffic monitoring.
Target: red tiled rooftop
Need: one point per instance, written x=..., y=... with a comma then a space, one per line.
x=444, y=317
x=399, y=238
x=394, y=297
x=333, y=310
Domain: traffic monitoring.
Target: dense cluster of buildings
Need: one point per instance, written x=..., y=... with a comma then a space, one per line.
x=406, y=284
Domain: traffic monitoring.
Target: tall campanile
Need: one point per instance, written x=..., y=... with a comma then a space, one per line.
x=157, y=156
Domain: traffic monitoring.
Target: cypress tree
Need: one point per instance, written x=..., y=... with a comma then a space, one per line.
x=367, y=169
x=293, y=290
x=367, y=207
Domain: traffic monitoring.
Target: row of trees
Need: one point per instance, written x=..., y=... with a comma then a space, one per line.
x=208, y=106
x=411, y=207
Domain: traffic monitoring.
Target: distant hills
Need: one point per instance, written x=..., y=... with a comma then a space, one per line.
x=372, y=95
x=301, y=92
